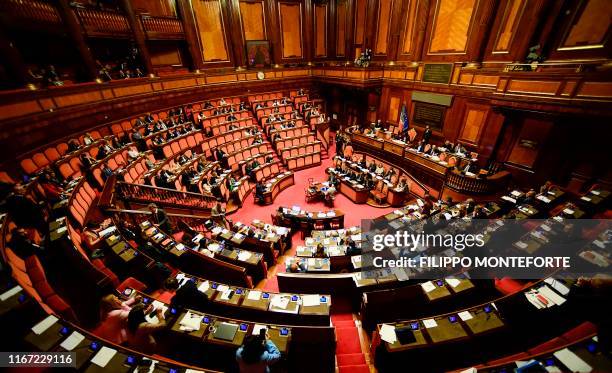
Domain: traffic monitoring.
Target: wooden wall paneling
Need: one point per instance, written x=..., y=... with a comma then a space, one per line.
x=360, y=11
x=139, y=36
x=291, y=26
x=165, y=54
x=253, y=20
x=342, y=20
x=474, y=120
x=457, y=29
x=513, y=29
x=529, y=142
x=320, y=30
x=185, y=11
x=384, y=13
x=308, y=43
x=274, y=34
x=585, y=30
x=408, y=30
x=211, y=24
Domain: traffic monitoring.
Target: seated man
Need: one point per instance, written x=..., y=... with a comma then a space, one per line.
x=296, y=266
x=186, y=296
x=260, y=189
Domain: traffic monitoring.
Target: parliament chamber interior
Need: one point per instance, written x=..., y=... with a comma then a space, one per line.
x=223, y=186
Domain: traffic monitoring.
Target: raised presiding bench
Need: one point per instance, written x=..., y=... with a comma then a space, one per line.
x=307, y=221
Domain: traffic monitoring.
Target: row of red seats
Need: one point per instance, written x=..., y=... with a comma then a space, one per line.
x=217, y=102
x=301, y=139
x=303, y=161
x=282, y=109
x=30, y=275
x=264, y=96
x=134, y=172
x=49, y=156
x=267, y=171
x=304, y=148
x=290, y=132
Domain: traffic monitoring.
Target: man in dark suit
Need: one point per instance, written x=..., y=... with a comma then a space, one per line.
x=160, y=218
x=426, y=135
x=186, y=296
x=260, y=189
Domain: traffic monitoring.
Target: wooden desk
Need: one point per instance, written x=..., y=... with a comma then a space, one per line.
x=446, y=330
x=483, y=322
x=276, y=185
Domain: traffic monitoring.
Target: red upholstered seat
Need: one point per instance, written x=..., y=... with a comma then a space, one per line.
x=35, y=269
x=131, y=283
x=583, y=330
x=508, y=285
x=44, y=289
x=508, y=359
x=548, y=345
x=59, y=306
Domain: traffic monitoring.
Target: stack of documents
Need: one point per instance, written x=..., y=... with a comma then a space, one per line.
x=191, y=322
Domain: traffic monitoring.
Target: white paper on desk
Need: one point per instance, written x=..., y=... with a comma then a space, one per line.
x=254, y=295
x=553, y=369
x=585, y=198
x=558, y=286
x=356, y=237
x=193, y=371
x=72, y=341
x=311, y=300
x=244, y=256
x=596, y=192
x=599, y=244
x=103, y=356
x=387, y=333
x=226, y=294
x=572, y=361
x=9, y=293
x=546, y=227
x=568, y=211
x=191, y=322
x=551, y=295
x=469, y=370
x=509, y=199
x=156, y=305
x=531, y=297
x=216, y=230
x=204, y=286
x=465, y=315
x=430, y=323
x=521, y=244
x=516, y=193
x=222, y=288
x=428, y=286
x=45, y=324
x=543, y=199
x=280, y=301
x=258, y=327
x=453, y=282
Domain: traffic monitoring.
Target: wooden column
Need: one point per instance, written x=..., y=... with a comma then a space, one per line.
x=234, y=32
x=191, y=32
x=12, y=60
x=76, y=35
x=484, y=29
x=139, y=35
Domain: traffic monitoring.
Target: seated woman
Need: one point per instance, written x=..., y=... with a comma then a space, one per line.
x=257, y=353
x=320, y=252
x=140, y=332
x=113, y=318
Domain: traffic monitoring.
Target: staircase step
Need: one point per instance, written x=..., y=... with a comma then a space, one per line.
x=344, y=323
x=354, y=369
x=350, y=359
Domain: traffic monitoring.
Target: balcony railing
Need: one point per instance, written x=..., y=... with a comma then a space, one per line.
x=35, y=11
x=143, y=194
x=103, y=23
x=474, y=185
x=162, y=27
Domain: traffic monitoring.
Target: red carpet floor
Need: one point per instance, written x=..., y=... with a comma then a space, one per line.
x=350, y=358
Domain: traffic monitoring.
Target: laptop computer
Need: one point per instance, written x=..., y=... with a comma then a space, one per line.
x=226, y=331
x=405, y=335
